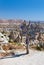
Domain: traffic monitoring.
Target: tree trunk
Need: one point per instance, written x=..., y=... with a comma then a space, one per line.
x=27, y=48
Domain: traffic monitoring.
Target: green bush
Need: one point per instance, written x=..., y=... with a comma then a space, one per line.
x=19, y=44
x=38, y=47
x=10, y=40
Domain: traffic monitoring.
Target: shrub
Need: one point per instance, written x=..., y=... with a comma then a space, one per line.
x=38, y=47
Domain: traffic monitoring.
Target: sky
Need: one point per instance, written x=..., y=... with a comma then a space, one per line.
x=22, y=9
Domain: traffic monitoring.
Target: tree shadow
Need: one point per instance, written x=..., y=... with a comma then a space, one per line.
x=14, y=56
x=18, y=55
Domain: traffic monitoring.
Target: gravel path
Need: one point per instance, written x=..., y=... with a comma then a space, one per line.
x=33, y=58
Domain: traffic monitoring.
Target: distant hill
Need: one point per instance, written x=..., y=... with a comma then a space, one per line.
x=11, y=21
x=17, y=21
